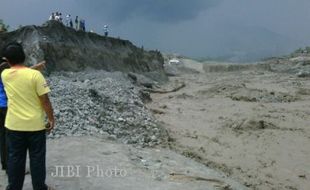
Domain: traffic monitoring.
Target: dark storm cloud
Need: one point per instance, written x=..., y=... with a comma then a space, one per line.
x=153, y=10
x=199, y=28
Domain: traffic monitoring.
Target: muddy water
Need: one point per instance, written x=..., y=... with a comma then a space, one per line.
x=251, y=125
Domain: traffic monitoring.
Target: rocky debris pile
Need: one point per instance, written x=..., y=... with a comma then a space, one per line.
x=102, y=103
x=299, y=66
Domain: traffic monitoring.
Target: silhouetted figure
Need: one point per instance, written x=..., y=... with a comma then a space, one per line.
x=83, y=28
x=77, y=23
x=71, y=23
x=52, y=17
x=60, y=17
x=68, y=18
x=82, y=25
x=57, y=16
x=106, y=30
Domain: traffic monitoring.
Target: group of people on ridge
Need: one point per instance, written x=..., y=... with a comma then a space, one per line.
x=79, y=23
x=56, y=16
x=24, y=102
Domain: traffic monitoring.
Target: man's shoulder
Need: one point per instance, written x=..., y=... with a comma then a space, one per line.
x=34, y=74
x=26, y=73
x=5, y=71
x=31, y=71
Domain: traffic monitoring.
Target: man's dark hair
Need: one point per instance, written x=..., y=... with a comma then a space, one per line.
x=14, y=53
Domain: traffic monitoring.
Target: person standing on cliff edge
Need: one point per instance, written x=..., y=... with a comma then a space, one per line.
x=27, y=93
x=106, y=30
x=68, y=19
x=77, y=23
x=71, y=23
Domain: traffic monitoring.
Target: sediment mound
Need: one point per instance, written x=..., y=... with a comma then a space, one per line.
x=240, y=92
x=66, y=49
x=250, y=125
x=259, y=95
x=235, y=67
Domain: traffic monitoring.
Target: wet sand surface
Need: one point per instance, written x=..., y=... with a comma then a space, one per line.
x=92, y=163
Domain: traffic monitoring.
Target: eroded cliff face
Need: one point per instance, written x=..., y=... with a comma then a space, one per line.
x=65, y=49
x=92, y=101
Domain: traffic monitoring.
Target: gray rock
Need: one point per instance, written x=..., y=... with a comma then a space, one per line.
x=303, y=74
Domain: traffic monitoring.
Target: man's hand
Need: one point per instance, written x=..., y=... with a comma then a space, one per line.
x=51, y=125
x=40, y=66
x=47, y=106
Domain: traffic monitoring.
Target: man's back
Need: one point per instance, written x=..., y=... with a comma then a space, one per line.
x=23, y=87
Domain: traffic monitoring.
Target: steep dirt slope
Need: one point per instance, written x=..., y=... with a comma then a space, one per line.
x=68, y=50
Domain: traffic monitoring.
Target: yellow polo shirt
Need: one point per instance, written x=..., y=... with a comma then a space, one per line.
x=23, y=86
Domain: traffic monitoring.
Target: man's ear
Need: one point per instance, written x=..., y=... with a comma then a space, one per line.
x=4, y=59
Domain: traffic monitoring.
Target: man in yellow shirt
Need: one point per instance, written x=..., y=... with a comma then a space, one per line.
x=27, y=93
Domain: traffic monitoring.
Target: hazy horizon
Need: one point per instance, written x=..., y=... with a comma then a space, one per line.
x=238, y=30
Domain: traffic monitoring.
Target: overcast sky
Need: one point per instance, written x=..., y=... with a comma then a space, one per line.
x=237, y=29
